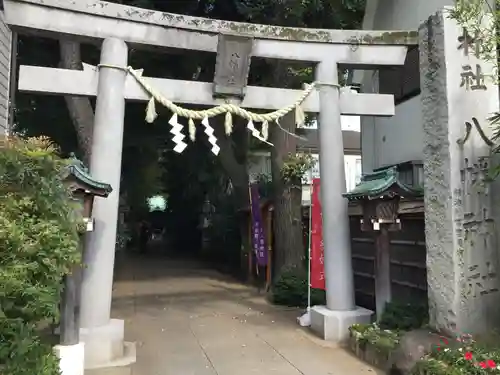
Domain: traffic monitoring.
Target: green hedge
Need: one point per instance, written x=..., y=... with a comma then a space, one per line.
x=404, y=316
x=38, y=246
x=290, y=289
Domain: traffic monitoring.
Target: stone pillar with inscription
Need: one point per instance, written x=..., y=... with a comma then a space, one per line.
x=461, y=206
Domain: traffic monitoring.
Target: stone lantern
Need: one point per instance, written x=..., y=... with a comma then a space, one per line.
x=83, y=189
x=379, y=194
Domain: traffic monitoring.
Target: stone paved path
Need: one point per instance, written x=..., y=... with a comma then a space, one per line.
x=188, y=320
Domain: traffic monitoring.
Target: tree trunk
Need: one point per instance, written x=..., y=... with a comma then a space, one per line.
x=288, y=238
x=233, y=159
x=80, y=109
x=82, y=116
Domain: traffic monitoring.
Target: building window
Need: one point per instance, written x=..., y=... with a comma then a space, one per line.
x=358, y=171
x=313, y=172
x=402, y=81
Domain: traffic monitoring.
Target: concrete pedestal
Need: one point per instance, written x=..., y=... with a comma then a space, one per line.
x=333, y=325
x=105, y=346
x=71, y=358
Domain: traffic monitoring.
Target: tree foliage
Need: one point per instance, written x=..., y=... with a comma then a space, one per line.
x=296, y=167
x=38, y=246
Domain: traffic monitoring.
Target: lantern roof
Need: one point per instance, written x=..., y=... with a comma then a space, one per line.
x=384, y=183
x=80, y=173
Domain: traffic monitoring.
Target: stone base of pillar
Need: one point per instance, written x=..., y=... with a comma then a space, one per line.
x=71, y=358
x=105, y=346
x=333, y=325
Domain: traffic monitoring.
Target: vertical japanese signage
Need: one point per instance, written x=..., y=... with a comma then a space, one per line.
x=472, y=75
x=317, y=251
x=471, y=104
x=258, y=235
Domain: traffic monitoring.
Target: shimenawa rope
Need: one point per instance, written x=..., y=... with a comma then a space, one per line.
x=227, y=109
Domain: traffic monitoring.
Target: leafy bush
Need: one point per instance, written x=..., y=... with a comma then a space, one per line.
x=385, y=336
x=383, y=340
x=290, y=289
x=38, y=246
x=404, y=316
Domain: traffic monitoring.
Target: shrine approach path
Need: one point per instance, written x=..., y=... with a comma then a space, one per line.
x=190, y=320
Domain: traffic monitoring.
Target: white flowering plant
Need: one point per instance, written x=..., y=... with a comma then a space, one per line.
x=383, y=339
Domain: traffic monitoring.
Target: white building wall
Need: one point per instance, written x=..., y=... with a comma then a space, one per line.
x=261, y=164
x=352, y=164
x=5, y=57
x=386, y=141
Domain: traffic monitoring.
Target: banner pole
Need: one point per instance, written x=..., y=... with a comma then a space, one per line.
x=305, y=319
x=269, y=248
x=309, y=252
x=251, y=229
x=250, y=252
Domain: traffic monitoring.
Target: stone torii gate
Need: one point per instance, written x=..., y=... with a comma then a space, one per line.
x=120, y=26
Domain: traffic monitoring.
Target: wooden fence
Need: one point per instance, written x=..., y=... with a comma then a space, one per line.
x=408, y=262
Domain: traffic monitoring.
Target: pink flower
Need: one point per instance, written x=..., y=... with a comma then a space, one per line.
x=468, y=356
x=491, y=363
x=482, y=365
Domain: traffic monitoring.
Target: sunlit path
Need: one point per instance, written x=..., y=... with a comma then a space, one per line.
x=188, y=320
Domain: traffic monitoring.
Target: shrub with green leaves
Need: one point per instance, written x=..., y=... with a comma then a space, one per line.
x=38, y=246
x=383, y=340
x=404, y=316
x=290, y=289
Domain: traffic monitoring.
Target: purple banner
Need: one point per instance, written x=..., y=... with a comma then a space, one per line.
x=258, y=236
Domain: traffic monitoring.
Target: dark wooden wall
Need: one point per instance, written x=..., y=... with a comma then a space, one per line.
x=408, y=262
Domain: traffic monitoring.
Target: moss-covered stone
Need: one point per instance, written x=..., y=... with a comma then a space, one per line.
x=211, y=26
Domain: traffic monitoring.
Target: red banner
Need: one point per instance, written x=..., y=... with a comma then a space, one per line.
x=317, y=252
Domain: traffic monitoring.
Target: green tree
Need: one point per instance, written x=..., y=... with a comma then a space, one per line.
x=38, y=246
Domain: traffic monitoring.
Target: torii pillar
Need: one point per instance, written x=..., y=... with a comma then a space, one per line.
x=332, y=321
x=104, y=337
